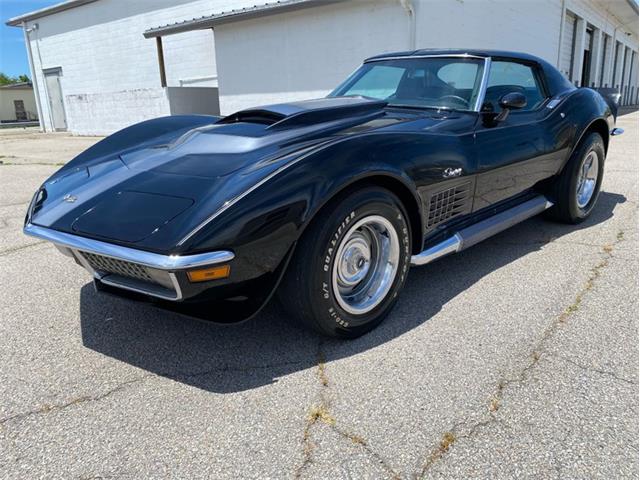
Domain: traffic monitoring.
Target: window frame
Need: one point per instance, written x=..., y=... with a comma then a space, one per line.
x=485, y=63
x=539, y=77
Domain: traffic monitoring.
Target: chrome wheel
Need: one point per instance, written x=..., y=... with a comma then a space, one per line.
x=587, y=179
x=365, y=264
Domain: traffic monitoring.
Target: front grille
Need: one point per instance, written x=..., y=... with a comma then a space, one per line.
x=447, y=204
x=118, y=267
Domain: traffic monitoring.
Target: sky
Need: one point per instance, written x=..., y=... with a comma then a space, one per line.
x=13, y=56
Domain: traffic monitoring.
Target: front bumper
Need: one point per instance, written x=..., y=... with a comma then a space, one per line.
x=127, y=268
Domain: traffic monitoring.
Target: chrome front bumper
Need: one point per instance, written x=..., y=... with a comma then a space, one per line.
x=128, y=268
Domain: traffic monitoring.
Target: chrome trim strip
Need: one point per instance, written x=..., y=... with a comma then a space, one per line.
x=130, y=286
x=450, y=245
x=553, y=103
x=148, y=259
x=85, y=264
x=617, y=131
x=442, y=55
x=483, y=84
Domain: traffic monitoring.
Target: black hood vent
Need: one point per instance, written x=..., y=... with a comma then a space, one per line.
x=262, y=117
x=297, y=114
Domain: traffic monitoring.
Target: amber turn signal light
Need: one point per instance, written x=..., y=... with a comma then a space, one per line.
x=211, y=273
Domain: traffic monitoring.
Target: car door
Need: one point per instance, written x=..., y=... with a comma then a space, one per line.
x=513, y=154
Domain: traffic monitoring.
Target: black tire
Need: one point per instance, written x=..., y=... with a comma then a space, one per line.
x=307, y=290
x=567, y=208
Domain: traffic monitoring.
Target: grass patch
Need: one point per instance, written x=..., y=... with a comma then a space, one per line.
x=320, y=413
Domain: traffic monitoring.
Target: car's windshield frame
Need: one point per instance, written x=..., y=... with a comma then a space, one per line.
x=485, y=65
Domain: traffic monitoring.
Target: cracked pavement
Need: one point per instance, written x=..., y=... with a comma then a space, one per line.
x=517, y=358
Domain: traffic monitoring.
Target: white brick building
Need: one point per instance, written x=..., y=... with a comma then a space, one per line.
x=99, y=65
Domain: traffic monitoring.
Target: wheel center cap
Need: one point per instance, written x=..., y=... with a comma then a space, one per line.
x=354, y=262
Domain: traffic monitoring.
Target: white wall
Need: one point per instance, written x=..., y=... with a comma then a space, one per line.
x=106, y=59
x=303, y=54
x=531, y=26
x=102, y=113
x=7, y=108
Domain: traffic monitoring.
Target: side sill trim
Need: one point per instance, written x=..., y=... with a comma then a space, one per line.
x=148, y=259
x=480, y=231
x=450, y=245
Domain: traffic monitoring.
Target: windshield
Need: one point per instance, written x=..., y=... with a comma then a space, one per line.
x=451, y=83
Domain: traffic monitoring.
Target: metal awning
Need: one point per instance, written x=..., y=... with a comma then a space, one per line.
x=45, y=12
x=211, y=21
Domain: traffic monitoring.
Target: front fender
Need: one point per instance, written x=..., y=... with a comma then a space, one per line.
x=262, y=226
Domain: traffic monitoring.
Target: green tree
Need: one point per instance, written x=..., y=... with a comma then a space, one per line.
x=7, y=80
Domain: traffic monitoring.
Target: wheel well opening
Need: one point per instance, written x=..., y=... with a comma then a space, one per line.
x=405, y=195
x=601, y=127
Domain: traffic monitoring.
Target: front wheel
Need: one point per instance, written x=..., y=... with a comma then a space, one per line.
x=349, y=265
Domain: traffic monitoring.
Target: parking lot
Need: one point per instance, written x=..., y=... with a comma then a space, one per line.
x=517, y=358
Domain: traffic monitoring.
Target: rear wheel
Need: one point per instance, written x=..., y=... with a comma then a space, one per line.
x=349, y=265
x=578, y=186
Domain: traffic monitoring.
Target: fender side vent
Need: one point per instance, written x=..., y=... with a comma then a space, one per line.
x=448, y=203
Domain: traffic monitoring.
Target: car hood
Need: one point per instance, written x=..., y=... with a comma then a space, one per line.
x=150, y=194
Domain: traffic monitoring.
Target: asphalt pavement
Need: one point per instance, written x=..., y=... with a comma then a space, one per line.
x=517, y=358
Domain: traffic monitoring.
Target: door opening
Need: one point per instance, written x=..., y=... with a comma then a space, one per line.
x=586, y=68
x=21, y=113
x=56, y=102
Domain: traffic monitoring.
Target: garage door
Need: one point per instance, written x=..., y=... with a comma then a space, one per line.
x=566, y=49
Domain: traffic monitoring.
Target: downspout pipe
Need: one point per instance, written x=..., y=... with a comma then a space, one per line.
x=34, y=78
x=562, y=21
x=409, y=6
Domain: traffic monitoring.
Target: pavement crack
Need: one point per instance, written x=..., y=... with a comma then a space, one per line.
x=320, y=414
x=26, y=164
x=17, y=204
x=47, y=408
x=177, y=376
x=591, y=369
x=11, y=250
x=450, y=437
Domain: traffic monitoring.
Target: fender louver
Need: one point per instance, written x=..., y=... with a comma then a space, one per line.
x=448, y=203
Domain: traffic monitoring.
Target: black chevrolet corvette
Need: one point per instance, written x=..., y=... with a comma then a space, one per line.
x=328, y=202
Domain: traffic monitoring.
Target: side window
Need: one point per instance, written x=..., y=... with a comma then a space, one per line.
x=507, y=77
